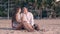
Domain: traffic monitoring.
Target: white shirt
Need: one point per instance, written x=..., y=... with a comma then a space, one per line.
x=29, y=18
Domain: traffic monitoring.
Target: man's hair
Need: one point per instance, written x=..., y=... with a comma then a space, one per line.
x=23, y=8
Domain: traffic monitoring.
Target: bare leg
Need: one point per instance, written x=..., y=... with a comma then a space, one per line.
x=28, y=27
x=19, y=27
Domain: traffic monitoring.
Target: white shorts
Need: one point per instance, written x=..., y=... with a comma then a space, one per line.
x=15, y=24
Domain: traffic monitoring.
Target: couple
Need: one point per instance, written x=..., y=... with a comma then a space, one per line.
x=23, y=20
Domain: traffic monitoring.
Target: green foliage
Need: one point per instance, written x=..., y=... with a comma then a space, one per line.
x=39, y=4
x=2, y=12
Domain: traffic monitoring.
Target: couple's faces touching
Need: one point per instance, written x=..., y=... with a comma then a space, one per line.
x=19, y=10
x=25, y=10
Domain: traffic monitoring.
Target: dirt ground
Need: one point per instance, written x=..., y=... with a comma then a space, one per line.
x=50, y=26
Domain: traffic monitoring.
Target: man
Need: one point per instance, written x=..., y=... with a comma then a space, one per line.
x=28, y=20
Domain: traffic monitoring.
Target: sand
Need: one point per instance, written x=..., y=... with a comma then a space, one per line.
x=51, y=26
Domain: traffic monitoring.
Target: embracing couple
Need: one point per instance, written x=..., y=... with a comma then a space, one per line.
x=23, y=20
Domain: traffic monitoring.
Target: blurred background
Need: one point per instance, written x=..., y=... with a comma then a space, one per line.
x=46, y=15
x=40, y=8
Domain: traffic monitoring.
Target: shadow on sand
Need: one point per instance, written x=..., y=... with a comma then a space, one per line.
x=6, y=29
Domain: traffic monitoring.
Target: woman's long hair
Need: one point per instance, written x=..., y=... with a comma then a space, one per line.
x=14, y=13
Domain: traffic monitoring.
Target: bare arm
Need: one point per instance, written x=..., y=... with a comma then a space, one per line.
x=17, y=19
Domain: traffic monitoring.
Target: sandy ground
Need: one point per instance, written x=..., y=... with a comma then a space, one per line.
x=51, y=26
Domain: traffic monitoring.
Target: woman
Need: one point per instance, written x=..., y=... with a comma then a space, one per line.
x=16, y=18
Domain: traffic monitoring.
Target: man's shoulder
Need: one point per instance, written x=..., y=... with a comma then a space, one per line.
x=29, y=12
